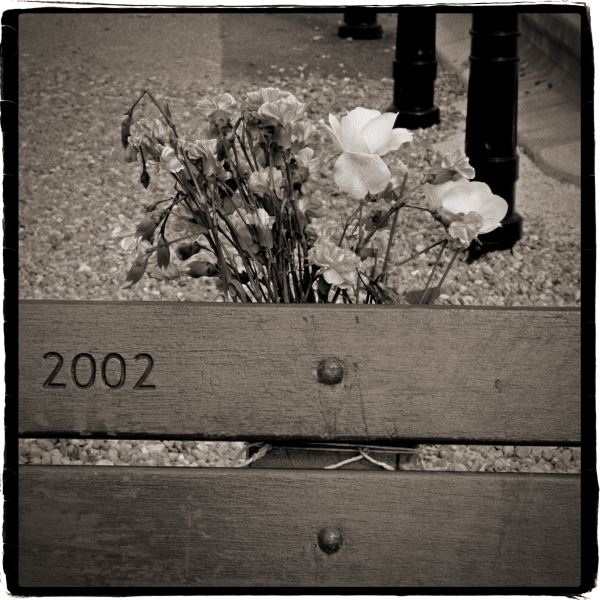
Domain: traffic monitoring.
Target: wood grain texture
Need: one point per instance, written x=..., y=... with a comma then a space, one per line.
x=249, y=372
x=111, y=526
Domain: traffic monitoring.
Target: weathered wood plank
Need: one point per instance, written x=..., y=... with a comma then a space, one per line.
x=111, y=526
x=249, y=372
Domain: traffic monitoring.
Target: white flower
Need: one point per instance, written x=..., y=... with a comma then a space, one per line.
x=338, y=265
x=263, y=223
x=435, y=193
x=285, y=111
x=304, y=157
x=169, y=160
x=260, y=181
x=323, y=228
x=260, y=218
x=302, y=132
x=269, y=94
x=468, y=208
x=458, y=163
x=239, y=220
x=364, y=136
x=199, y=148
x=222, y=106
x=128, y=235
x=148, y=131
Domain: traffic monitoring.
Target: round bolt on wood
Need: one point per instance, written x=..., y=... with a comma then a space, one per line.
x=330, y=539
x=330, y=371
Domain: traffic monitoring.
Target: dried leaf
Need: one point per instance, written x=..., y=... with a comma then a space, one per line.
x=125, y=129
x=146, y=228
x=414, y=296
x=201, y=268
x=185, y=251
x=239, y=290
x=202, y=219
x=163, y=253
x=136, y=271
x=168, y=111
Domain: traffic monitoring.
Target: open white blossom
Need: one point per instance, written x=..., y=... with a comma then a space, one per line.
x=364, y=136
x=469, y=208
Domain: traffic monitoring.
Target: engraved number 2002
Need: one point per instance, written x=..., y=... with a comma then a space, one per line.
x=114, y=381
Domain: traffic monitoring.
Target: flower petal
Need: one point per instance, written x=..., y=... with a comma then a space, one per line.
x=335, y=130
x=435, y=193
x=465, y=196
x=351, y=129
x=381, y=137
x=493, y=210
x=357, y=174
x=398, y=137
x=475, y=196
x=334, y=278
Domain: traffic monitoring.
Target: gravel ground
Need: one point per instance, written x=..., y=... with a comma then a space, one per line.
x=71, y=192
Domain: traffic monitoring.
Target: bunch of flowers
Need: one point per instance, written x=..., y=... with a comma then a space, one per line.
x=244, y=207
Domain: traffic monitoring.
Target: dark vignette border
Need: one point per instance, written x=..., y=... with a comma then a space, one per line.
x=9, y=123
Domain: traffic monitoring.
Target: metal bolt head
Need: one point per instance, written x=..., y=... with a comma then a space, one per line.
x=330, y=371
x=331, y=539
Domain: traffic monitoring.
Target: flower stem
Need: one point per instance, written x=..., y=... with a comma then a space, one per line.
x=415, y=255
x=448, y=267
x=430, y=279
x=418, y=208
x=388, y=250
x=392, y=233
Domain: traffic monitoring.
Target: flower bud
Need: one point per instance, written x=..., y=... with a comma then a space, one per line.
x=126, y=129
x=130, y=154
x=145, y=178
x=163, y=253
x=367, y=252
x=145, y=230
x=185, y=251
x=201, y=268
x=311, y=236
x=265, y=238
x=136, y=271
x=201, y=218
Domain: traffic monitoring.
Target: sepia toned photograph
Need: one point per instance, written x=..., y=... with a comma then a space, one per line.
x=299, y=298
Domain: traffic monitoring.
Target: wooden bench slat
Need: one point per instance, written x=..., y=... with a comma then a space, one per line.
x=249, y=372
x=112, y=526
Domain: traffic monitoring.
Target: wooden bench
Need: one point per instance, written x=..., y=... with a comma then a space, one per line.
x=255, y=373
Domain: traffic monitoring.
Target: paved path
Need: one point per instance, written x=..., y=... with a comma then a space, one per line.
x=549, y=125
